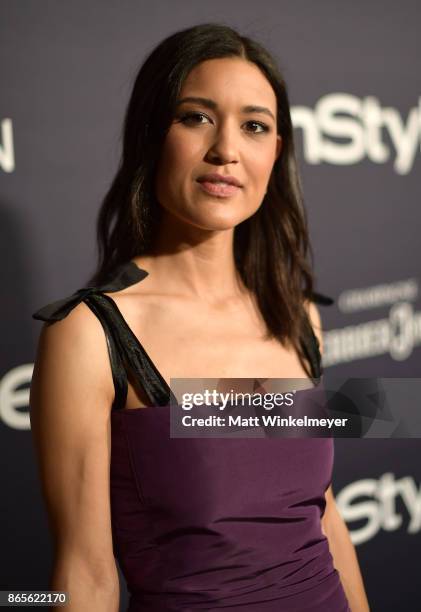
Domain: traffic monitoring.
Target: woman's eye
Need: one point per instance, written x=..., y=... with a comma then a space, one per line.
x=194, y=118
x=256, y=128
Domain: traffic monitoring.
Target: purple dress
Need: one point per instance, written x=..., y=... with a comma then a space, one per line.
x=209, y=523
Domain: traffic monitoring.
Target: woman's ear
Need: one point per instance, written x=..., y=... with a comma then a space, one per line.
x=278, y=145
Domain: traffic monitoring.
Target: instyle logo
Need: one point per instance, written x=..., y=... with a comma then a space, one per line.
x=378, y=510
x=362, y=123
x=7, y=154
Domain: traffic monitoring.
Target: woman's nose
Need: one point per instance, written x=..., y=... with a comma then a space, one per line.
x=224, y=148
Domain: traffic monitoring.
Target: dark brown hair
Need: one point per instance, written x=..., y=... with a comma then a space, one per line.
x=271, y=248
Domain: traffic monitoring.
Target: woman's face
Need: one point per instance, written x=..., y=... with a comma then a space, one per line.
x=220, y=149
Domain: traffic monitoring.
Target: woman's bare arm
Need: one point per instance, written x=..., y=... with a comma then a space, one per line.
x=334, y=527
x=344, y=555
x=71, y=395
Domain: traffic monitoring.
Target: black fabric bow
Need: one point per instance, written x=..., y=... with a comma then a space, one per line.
x=319, y=298
x=126, y=275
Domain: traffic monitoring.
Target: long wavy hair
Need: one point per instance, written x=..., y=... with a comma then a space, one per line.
x=271, y=248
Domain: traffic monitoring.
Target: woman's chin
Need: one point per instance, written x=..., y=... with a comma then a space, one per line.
x=211, y=217
x=214, y=222
x=218, y=217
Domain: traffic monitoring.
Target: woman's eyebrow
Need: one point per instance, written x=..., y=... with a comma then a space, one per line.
x=211, y=104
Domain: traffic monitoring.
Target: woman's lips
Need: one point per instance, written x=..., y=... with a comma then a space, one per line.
x=219, y=189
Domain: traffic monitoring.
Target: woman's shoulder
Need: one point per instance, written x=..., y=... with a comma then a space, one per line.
x=70, y=333
x=72, y=343
x=71, y=369
x=77, y=325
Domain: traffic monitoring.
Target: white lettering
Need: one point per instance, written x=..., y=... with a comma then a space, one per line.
x=354, y=300
x=402, y=335
x=398, y=335
x=380, y=511
x=7, y=155
x=12, y=398
x=360, y=121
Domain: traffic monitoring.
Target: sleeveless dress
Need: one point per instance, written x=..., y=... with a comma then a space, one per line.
x=209, y=523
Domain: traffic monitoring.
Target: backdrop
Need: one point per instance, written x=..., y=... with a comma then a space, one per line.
x=353, y=76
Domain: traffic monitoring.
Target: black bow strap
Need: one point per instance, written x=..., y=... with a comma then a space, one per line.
x=126, y=275
x=324, y=300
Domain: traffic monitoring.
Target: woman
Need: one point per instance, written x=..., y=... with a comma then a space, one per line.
x=204, y=257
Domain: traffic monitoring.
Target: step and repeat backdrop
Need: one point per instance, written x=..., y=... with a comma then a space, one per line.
x=355, y=91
